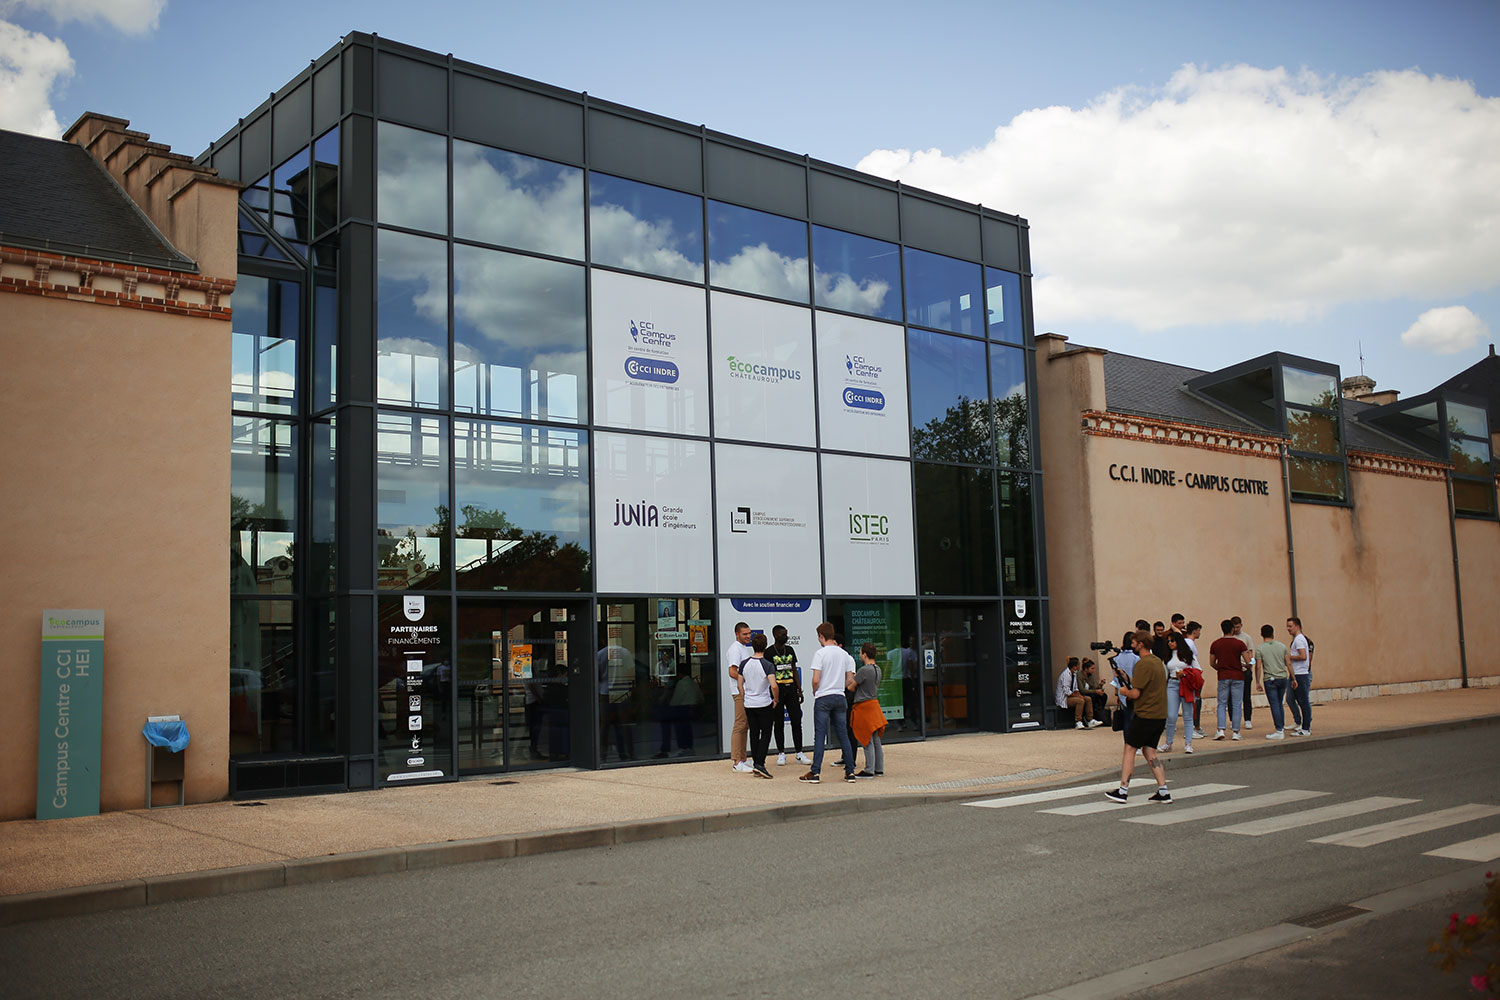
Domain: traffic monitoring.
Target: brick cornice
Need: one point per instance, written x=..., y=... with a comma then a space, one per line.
x=131, y=276
x=1385, y=464
x=1157, y=430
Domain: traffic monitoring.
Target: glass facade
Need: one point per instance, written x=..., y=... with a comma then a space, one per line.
x=553, y=380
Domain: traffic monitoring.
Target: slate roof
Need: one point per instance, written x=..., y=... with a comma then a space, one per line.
x=1145, y=387
x=1155, y=388
x=55, y=196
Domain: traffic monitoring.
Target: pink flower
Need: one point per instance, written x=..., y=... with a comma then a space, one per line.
x=1472, y=920
x=1480, y=982
x=1453, y=924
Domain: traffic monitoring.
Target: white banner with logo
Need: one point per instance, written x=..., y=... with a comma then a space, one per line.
x=801, y=616
x=767, y=520
x=867, y=527
x=763, y=371
x=653, y=516
x=650, y=349
x=862, y=403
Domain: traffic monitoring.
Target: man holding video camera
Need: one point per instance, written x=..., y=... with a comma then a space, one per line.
x=1146, y=687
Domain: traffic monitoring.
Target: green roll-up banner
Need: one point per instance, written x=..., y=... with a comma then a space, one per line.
x=72, y=714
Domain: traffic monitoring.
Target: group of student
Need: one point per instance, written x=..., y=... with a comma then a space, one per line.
x=1158, y=675
x=766, y=685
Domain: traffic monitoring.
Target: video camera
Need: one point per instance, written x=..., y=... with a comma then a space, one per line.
x=1104, y=647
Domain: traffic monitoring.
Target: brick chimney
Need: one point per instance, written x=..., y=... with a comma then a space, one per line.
x=194, y=207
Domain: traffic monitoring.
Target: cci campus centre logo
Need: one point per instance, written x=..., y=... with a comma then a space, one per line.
x=863, y=396
x=645, y=335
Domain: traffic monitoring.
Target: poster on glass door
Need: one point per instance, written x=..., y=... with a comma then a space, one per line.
x=414, y=688
x=801, y=616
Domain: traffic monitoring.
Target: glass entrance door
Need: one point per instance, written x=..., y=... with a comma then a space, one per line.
x=515, y=659
x=949, y=659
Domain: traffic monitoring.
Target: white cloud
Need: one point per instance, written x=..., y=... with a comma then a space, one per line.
x=1447, y=330
x=133, y=17
x=31, y=64
x=1241, y=194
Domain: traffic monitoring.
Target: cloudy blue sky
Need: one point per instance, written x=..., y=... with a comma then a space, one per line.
x=1204, y=181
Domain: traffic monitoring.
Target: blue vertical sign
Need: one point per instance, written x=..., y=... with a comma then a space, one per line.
x=72, y=714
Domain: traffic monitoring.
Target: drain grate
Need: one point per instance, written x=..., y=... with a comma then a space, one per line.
x=1332, y=915
x=249, y=803
x=1001, y=779
x=502, y=782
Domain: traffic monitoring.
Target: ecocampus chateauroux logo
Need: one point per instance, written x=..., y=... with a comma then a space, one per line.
x=753, y=371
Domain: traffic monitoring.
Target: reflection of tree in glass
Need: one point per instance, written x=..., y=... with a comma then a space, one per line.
x=962, y=434
x=405, y=552
x=1313, y=477
x=514, y=559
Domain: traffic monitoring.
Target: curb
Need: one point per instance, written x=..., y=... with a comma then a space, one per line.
x=78, y=900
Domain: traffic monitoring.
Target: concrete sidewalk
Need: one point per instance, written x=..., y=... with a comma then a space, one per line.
x=57, y=867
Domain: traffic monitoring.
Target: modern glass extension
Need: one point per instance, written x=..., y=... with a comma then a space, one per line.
x=535, y=397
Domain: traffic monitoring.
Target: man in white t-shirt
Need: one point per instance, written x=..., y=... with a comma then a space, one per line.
x=736, y=653
x=833, y=674
x=1299, y=658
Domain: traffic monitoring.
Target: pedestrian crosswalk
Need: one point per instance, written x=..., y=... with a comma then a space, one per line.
x=1213, y=800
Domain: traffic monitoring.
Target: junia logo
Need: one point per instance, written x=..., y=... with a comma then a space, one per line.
x=645, y=332
x=644, y=514
x=860, y=368
x=868, y=527
x=739, y=368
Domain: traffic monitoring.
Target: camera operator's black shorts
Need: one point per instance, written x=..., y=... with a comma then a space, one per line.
x=1144, y=732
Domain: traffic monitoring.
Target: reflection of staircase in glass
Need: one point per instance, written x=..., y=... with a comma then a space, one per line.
x=494, y=549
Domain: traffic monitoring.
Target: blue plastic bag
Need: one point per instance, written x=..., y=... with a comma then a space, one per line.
x=172, y=734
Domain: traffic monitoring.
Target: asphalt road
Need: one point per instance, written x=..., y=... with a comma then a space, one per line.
x=1000, y=902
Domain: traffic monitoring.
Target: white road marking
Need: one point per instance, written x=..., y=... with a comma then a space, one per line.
x=1310, y=817
x=1087, y=808
x=1053, y=794
x=1480, y=849
x=1394, y=830
x=1169, y=817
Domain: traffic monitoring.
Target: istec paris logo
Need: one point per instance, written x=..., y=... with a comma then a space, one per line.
x=869, y=528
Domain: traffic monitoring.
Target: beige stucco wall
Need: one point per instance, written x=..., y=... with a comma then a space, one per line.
x=1479, y=567
x=1162, y=549
x=113, y=486
x=1375, y=583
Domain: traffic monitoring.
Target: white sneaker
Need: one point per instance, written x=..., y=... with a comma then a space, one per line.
x=803, y=758
x=1093, y=723
x=1077, y=725
x=1248, y=725
x=1304, y=732
x=1188, y=748
x=1235, y=737
x=1219, y=735
x=1294, y=732
x=780, y=760
x=744, y=767
x=1197, y=734
x=1278, y=735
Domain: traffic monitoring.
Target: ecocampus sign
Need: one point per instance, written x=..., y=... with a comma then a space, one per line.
x=1146, y=476
x=72, y=714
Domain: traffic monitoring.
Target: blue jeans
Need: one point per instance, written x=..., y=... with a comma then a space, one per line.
x=1231, y=697
x=831, y=712
x=1176, y=704
x=1276, y=695
x=1301, y=701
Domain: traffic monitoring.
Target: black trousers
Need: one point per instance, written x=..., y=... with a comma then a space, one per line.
x=794, y=710
x=761, y=721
